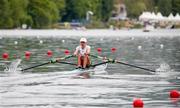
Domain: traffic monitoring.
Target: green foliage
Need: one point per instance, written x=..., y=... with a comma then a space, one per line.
x=18, y=12
x=14, y=13
x=176, y=6
x=5, y=20
x=47, y=13
x=150, y=5
x=106, y=9
x=76, y=9
x=165, y=6
x=60, y=4
x=135, y=7
x=43, y=12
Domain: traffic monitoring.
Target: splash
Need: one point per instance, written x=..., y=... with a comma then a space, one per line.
x=13, y=66
x=164, y=67
x=100, y=69
x=4, y=65
x=165, y=71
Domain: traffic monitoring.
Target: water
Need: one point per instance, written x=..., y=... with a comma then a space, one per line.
x=47, y=87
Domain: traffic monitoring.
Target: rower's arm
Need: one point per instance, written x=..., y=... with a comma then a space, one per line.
x=88, y=51
x=76, y=51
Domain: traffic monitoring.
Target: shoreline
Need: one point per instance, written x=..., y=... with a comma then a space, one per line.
x=46, y=33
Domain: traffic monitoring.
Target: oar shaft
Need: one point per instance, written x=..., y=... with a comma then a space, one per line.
x=67, y=63
x=35, y=66
x=95, y=56
x=135, y=66
x=100, y=64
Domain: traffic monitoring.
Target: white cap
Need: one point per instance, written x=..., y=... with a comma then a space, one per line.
x=83, y=40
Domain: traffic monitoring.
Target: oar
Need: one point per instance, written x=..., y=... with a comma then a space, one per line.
x=35, y=66
x=63, y=58
x=105, y=62
x=62, y=62
x=116, y=61
x=134, y=66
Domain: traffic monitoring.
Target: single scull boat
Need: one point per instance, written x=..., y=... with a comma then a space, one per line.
x=85, y=73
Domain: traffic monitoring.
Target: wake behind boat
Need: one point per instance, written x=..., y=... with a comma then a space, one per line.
x=87, y=73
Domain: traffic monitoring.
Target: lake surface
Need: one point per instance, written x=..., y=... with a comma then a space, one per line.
x=46, y=87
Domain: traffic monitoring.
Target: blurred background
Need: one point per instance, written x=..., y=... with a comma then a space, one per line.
x=144, y=33
x=82, y=14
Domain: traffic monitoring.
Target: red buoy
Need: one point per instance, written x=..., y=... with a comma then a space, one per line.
x=27, y=55
x=174, y=94
x=99, y=50
x=66, y=52
x=113, y=50
x=49, y=53
x=138, y=103
x=5, y=56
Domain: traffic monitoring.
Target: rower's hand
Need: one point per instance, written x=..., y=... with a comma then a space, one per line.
x=53, y=60
x=112, y=60
x=75, y=54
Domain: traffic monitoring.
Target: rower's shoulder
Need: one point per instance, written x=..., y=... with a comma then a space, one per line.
x=88, y=46
x=78, y=47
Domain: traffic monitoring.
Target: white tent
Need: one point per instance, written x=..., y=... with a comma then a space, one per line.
x=160, y=17
x=148, y=16
x=153, y=16
x=177, y=17
x=145, y=16
x=171, y=17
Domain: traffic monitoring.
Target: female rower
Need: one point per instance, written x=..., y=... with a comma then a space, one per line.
x=82, y=52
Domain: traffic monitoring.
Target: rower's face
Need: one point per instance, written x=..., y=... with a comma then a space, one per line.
x=83, y=44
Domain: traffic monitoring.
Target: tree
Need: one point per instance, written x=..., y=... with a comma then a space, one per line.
x=135, y=7
x=150, y=5
x=5, y=20
x=165, y=6
x=44, y=13
x=61, y=7
x=19, y=12
x=76, y=9
x=106, y=9
x=176, y=6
